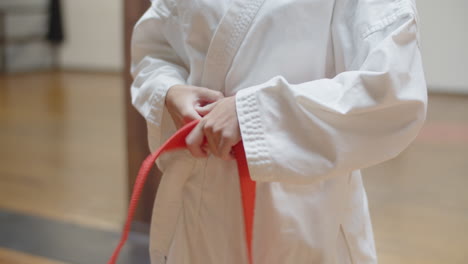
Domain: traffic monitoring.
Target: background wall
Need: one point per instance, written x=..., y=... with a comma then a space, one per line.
x=94, y=35
x=444, y=35
x=94, y=39
x=23, y=27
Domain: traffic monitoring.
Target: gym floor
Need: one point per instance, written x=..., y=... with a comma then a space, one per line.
x=63, y=183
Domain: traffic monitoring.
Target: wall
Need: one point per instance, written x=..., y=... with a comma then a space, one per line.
x=94, y=35
x=24, y=28
x=444, y=37
x=94, y=39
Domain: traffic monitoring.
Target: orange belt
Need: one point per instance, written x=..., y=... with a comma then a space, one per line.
x=177, y=141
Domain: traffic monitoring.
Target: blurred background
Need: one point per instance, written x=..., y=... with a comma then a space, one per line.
x=70, y=143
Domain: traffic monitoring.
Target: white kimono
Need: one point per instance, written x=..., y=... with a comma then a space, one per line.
x=323, y=88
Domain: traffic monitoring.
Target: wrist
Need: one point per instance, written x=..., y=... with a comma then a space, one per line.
x=169, y=93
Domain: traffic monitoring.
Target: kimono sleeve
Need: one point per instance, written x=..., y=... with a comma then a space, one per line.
x=368, y=113
x=155, y=66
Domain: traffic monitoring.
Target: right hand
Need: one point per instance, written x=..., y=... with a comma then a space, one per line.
x=185, y=102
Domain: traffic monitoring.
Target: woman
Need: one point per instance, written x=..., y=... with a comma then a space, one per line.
x=316, y=90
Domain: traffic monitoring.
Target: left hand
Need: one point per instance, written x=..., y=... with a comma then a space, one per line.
x=220, y=126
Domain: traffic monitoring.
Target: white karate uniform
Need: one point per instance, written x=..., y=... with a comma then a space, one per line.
x=323, y=88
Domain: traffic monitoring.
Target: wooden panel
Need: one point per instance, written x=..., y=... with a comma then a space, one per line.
x=137, y=146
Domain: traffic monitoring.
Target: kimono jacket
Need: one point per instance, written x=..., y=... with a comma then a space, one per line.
x=323, y=88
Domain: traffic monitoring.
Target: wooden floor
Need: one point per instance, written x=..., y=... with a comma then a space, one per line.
x=419, y=201
x=62, y=157
x=14, y=257
x=62, y=147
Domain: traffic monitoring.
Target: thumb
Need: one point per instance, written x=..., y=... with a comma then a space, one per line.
x=207, y=96
x=190, y=115
x=204, y=110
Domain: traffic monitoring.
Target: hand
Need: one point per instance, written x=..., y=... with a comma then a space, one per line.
x=182, y=102
x=220, y=126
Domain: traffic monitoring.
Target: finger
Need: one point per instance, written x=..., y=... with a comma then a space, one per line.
x=212, y=139
x=189, y=114
x=204, y=110
x=194, y=141
x=225, y=149
x=213, y=148
x=206, y=148
x=207, y=96
x=232, y=153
